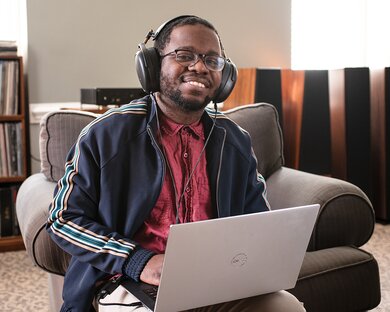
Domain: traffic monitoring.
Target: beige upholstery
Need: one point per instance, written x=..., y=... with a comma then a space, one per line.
x=58, y=132
x=335, y=276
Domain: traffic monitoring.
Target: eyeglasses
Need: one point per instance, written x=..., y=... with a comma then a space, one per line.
x=188, y=58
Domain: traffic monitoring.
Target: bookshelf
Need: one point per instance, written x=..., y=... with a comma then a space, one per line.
x=14, y=155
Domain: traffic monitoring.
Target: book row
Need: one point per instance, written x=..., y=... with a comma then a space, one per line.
x=9, y=87
x=8, y=219
x=11, y=158
x=9, y=46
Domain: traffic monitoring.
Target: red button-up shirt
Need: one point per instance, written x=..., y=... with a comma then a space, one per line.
x=182, y=146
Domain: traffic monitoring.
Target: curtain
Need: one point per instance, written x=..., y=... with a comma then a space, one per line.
x=339, y=33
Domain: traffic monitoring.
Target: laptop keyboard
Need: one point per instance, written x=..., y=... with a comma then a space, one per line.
x=151, y=291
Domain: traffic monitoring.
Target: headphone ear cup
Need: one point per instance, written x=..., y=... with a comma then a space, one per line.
x=228, y=81
x=147, y=64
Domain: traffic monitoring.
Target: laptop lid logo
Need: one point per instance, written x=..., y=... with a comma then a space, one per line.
x=239, y=260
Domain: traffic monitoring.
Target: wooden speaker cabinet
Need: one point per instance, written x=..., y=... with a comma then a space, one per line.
x=335, y=122
x=380, y=141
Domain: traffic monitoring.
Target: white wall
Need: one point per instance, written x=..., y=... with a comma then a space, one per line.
x=77, y=44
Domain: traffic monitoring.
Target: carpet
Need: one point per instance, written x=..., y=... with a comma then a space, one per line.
x=23, y=287
x=379, y=246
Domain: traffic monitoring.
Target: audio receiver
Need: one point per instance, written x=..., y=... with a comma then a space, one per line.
x=110, y=96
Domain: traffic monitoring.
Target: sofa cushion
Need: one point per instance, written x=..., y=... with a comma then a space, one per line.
x=338, y=279
x=346, y=216
x=32, y=207
x=60, y=129
x=262, y=122
x=58, y=132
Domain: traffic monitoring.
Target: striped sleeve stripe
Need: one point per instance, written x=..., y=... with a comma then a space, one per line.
x=60, y=234
x=70, y=231
x=90, y=242
x=101, y=237
x=65, y=188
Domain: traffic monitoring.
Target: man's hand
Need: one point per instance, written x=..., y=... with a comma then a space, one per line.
x=152, y=271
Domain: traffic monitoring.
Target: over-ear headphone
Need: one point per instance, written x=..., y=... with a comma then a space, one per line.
x=148, y=66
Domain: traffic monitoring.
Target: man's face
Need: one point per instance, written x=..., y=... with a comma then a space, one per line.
x=191, y=87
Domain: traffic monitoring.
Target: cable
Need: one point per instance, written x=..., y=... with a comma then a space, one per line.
x=166, y=158
x=179, y=199
x=108, y=288
x=35, y=158
x=197, y=163
x=137, y=304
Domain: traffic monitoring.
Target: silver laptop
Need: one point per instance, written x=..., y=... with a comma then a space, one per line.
x=220, y=260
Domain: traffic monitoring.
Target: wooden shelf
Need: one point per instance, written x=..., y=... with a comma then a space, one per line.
x=11, y=243
x=10, y=118
x=11, y=183
x=16, y=179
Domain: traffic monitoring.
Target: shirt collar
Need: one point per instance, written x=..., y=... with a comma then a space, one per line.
x=172, y=128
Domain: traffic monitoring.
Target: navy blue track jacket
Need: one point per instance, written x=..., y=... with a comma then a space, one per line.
x=113, y=177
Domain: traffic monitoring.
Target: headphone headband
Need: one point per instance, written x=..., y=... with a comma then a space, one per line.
x=162, y=26
x=148, y=66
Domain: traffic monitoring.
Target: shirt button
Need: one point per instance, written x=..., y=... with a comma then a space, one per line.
x=185, y=155
x=188, y=189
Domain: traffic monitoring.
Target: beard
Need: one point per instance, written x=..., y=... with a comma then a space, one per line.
x=175, y=95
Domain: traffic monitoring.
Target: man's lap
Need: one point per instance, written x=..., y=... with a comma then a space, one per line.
x=280, y=301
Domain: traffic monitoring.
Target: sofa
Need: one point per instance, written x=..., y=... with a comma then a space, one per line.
x=336, y=274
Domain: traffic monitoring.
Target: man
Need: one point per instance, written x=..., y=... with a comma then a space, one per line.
x=160, y=160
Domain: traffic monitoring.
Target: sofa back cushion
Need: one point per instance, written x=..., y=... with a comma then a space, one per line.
x=58, y=132
x=262, y=122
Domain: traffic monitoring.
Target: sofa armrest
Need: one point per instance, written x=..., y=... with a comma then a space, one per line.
x=346, y=215
x=32, y=209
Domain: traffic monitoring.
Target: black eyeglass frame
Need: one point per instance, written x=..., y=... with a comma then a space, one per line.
x=197, y=56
